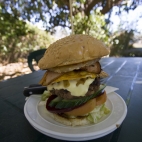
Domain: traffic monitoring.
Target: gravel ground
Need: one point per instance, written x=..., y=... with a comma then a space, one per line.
x=14, y=69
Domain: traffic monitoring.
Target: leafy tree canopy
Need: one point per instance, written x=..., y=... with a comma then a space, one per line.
x=88, y=18
x=18, y=38
x=56, y=12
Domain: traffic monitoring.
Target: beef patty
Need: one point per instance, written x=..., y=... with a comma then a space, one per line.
x=94, y=86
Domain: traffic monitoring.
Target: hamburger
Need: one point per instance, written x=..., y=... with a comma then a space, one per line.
x=73, y=79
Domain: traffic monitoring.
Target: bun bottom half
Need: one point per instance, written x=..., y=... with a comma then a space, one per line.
x=70, y=121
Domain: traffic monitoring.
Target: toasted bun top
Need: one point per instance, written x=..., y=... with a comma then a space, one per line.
x=72, y=49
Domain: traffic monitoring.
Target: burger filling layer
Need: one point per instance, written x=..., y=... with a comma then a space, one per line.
x=66, y=94
x=93, y=116
x=75, y=90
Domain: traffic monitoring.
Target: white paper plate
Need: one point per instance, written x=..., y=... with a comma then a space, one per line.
x=38, y=117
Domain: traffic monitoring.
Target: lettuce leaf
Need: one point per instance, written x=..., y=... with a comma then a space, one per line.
x=99, y=112
x=45, y=95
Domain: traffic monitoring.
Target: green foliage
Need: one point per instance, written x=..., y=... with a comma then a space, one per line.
x=58, y=10
x=93, y=25
x=18, y=38
x=121, y=42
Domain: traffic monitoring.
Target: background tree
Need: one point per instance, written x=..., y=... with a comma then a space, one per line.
x=18, y=38
x=93, y=25
x=122, y=41
x=88, y=18
x=56, y=12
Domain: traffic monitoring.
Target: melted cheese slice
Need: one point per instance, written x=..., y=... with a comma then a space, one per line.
x=79, y=90
x=73, y=75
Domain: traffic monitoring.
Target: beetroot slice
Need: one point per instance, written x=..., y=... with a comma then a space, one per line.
x=56, y=110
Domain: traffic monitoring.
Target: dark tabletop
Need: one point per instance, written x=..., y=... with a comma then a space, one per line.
x=125, y=74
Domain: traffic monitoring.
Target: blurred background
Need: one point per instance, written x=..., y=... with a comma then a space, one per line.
x=30, y=25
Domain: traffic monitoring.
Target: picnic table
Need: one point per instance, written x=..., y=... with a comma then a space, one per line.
x=124, y=73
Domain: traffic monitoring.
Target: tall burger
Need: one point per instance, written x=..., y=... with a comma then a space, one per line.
x=76, y=95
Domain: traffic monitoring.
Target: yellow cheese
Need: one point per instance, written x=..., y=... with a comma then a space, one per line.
x=79, y=90
x=73, y=75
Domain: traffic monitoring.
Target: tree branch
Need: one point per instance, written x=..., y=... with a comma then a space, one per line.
x=109, y=5
x=62, y=3
x=89, y=4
